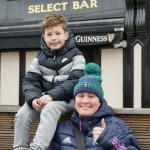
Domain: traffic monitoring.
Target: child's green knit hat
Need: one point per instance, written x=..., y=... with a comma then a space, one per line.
x=91, y=82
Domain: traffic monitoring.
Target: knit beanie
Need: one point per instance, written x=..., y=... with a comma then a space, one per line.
x=91, y=82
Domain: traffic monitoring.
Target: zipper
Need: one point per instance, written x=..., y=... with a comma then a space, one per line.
x=53, y=84
x=80, y=123
x=55, y=62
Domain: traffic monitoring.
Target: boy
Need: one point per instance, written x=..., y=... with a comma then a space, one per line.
x=48, y=84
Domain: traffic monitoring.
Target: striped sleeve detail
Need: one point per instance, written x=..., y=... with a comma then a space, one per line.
x=116, y=143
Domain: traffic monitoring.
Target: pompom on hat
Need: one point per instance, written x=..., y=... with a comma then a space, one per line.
x=91, y=82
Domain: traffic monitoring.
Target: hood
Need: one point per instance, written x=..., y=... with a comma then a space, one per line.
x=86, y=123
x=69, y=44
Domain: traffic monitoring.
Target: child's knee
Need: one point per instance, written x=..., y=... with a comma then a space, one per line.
x=52, y=108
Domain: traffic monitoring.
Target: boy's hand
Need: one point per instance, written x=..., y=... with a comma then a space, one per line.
x=45, y=99
x=97, y=130
x=36, y=104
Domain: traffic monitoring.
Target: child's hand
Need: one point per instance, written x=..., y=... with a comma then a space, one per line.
x=97, y=130
x=45, y=99
x=36, y=104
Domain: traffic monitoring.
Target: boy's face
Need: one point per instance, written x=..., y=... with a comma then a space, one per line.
x=55, y=37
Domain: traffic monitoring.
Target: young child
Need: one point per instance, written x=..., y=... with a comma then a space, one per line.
x=48, y=84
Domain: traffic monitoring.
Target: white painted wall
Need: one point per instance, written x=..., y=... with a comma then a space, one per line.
x=9, y=78
x=112, y=75
x=29, y=57
x=137, y=75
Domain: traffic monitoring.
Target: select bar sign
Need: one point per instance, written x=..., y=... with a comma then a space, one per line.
x=99, y=39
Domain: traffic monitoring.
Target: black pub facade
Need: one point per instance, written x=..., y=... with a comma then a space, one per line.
x=111, y=33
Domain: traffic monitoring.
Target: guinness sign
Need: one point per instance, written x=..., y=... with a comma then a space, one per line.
x=98, y=39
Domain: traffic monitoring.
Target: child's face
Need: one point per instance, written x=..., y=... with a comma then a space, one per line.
x=55, y=37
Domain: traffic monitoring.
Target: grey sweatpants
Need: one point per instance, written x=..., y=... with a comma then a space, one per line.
x=49, y=116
